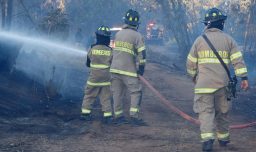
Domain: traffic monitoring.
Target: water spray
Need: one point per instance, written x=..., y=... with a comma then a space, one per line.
x=56, y=65
x=42, y=42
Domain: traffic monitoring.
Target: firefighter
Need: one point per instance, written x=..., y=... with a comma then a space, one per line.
x=211, y=79
x=98, y=84
x=129, y=58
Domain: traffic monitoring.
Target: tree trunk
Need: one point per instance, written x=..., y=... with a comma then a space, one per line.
x=7, y=6
x=250, y=33
x=176, y=21
x=9, y=15
x=4, y=12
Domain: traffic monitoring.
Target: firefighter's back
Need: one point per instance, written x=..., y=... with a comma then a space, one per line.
x=100, y=56
x=125, y=51
x=211, y=74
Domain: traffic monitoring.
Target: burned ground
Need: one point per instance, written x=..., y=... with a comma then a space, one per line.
x=32, y=121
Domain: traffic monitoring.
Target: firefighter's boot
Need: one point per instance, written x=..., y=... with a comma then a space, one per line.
x=137, y=121
x=223, y=143
x=86, y=117
x=107, y=120
x=120, y=120
x=207, y=145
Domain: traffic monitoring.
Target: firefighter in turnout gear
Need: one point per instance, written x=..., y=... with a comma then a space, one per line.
x=98, y=84
x=129, y=58
x=211, y=79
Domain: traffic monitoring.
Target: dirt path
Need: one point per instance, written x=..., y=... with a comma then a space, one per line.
x=165, y=130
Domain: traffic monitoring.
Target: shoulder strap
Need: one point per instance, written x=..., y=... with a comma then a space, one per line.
x=217, y=55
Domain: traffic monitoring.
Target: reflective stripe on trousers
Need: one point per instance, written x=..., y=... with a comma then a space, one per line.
x=86, y=111
x=142, y=61
x=223, y=136
x=98, y=83
x=192, y=72
x=118, y=113
x=205, y=90
x=107, y=114
x=207, y=136
x=135, y=110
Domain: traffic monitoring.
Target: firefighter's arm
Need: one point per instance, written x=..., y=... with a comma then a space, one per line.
x=236, y=58
x=141, y=51
x=88, y=60
x=111, y=57
x=192, y=61
x=142, y=62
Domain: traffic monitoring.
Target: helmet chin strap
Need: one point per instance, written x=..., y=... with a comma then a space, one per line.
x=137, y=27
x=208, y=24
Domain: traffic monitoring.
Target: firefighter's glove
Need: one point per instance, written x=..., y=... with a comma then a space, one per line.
x=88, y=62
x=141, y=70
x=194, y=79
x=245, y=85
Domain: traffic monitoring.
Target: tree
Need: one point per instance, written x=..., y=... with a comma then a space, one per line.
x=7, y=6
x=250, y=33
x=176, y=20
x=55, y=24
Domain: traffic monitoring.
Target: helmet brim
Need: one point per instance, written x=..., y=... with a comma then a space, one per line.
x=224, y=17
x=101, y=34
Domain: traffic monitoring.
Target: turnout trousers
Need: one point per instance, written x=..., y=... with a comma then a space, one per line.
x=91, y=94
x=119, y=85
x=213, y=108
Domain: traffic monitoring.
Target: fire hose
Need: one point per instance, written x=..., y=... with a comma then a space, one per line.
x=169, y=104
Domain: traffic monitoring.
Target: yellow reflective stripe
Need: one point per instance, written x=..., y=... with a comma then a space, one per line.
x=141, y=49
x=241, y=71
x=124, y=50
x=124, y=72
x=98, y=83
x=107, y=114
x=192, y=59
x=192, y=72
x=134, y=110
x=99, y=66
x=207, y=136
x=223, y=136
x=118, y=112
x=143, y=61
x=211, y=60
x=236, y=55
x=205, y=90
x=86, y=111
